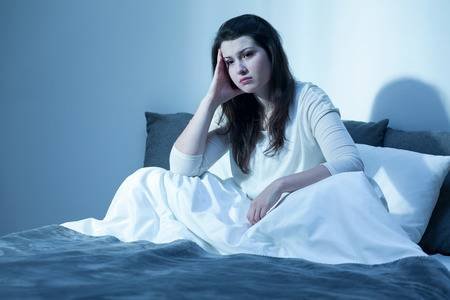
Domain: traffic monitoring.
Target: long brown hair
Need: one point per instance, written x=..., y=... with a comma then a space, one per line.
x=244, y=113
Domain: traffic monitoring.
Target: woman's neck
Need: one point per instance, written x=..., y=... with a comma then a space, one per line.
x=263, y=98
x=268, y=107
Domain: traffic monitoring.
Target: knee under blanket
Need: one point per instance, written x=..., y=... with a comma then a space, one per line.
x=337, y=220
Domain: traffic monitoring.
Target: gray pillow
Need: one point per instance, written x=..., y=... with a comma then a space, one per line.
x=162, y=132
x=436, y=238
x=369, y=133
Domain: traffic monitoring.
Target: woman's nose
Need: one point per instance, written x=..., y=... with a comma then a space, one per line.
x=242, y=69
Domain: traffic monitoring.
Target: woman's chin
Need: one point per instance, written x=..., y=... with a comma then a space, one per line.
x=248, y=88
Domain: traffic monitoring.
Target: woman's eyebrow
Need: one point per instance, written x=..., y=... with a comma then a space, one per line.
x=240, y=51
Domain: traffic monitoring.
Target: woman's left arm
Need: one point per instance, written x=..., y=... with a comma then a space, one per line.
x=340, y=153
x=337, y=147
x=293, y=182
x=267, y=199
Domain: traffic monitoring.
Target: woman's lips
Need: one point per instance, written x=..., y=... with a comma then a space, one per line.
x=246, y=80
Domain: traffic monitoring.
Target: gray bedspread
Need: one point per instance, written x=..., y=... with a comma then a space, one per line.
x=52, y=262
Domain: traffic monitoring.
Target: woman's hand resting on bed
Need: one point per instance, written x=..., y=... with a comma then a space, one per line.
x=263, y=202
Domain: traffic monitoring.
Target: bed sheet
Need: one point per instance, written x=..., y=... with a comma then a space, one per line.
x=444, y=259
x=51, y=261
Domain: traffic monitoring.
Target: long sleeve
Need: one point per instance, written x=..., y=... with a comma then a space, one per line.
x=336, y=144
x=196, y=165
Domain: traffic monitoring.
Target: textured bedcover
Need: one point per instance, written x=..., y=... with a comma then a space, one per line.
x=56, y=262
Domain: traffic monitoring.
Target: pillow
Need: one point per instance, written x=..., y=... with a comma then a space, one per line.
x=164, y=129
x=162, y=132
x=410, y=182
x=436, y=238
x=369, y=133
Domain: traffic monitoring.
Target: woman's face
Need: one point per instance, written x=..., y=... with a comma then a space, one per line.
x=244, y=58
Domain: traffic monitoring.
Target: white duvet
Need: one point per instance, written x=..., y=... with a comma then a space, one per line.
x=337, y=220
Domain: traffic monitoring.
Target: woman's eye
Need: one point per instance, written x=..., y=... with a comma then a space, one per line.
x=248, y=54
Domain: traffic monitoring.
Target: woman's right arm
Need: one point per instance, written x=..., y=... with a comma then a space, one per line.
x=196, y=149
x=192, y=139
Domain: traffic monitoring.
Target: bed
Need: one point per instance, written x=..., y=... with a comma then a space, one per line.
x=55, y=262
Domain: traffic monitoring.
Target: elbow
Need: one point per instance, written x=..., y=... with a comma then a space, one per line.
x=183, y=164
x=174, y=168
x=347, y=163
x=184, y=172
x=354, y=163
x=359, y=164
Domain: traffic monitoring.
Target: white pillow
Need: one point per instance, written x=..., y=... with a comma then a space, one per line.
x=410, y=182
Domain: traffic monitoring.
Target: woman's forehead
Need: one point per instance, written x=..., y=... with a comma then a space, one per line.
x=234, y=47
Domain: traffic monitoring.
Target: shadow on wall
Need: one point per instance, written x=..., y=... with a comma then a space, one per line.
x=411, y=105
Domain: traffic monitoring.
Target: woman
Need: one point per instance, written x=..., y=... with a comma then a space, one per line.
x=258, y=95
x=287, y=143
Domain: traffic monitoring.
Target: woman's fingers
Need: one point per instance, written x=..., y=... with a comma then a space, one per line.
x=255, y=214
x=256, y=217
x=262, y=213
x=250, y=214
x=219, y=59
x=218, y=72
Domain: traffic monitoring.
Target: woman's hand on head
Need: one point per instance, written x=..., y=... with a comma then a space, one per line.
x=222, y=88
x=263, y=202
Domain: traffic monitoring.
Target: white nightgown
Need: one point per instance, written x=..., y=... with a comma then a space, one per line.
x=315, y=135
